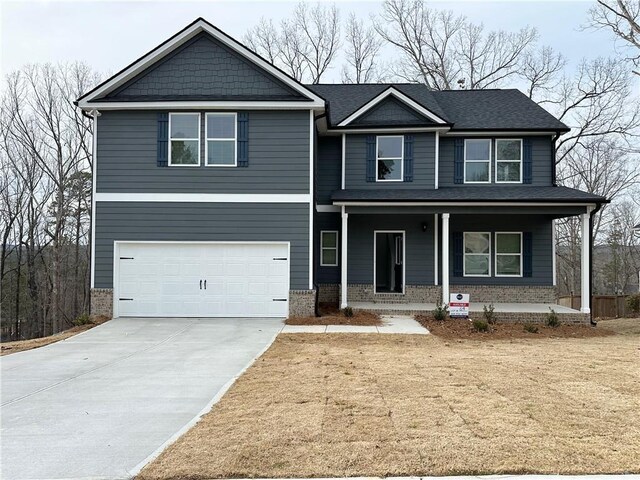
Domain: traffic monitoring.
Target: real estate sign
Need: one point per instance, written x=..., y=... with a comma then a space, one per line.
x=459, y=305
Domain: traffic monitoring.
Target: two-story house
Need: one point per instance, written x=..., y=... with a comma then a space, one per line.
x=224, y=187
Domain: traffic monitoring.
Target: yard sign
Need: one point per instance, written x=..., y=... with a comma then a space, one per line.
x=459, y=305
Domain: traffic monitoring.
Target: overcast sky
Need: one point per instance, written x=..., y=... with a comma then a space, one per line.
x=109, y=35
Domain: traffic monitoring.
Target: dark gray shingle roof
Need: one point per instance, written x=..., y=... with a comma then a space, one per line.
x=465, y=109
x=498, y=193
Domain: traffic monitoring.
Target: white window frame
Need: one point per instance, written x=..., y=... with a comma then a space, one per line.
x=401, y=179
x=489, y=161
x=509, y=161
x=207, y=139
x=323, y=248
x=404, y=261
x=465, y=254
x=185, y=139
x=510, y=254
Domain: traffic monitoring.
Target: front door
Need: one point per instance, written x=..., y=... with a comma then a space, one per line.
x=389, y=261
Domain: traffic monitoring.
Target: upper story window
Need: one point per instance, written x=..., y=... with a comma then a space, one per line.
x=221, y=135
x=509, y=160
x=477, y=160
x=389, y=158
x=477, y=254
x=184, y=139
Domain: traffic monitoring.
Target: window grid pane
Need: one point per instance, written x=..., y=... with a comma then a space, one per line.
x=508, y=150
x=476, y=264
x=185, y=126
x=508, y=171
x=508, y=265
x=478, y=150
x=221, y=152
x=508, y=243
x=184, y=152
x=329, y=256
x=390, y=169
x=221, y=126
x=390, y=147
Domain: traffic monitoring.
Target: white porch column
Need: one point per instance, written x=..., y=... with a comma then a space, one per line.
x=343, y=260
x=585, y=270
x=445, y=258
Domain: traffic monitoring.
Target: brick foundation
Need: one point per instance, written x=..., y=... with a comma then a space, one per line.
x=102, y=302
x=507, y=293
x=302, y=303
x=530, y=317
x=328, y=293
x=413, y=294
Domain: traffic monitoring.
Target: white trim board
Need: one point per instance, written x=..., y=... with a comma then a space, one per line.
x=161, y=51
x=399, y=96
x=205, y=197
x=461, y=204
x=204, y=105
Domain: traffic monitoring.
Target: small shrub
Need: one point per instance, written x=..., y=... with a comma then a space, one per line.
x=440, y=313
x=83, y=319
x=347, y=312
x=552, y=318
x=530, y=328
x=480, y=325
x=489, y=314
x=633, y=303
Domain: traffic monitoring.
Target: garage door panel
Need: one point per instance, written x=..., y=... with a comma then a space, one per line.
x=163, y=279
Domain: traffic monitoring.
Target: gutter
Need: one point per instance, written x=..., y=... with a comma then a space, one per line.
x=593, y=212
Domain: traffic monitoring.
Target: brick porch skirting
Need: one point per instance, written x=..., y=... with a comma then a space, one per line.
x=530, y=317
x=507, y=293
x=328, y=293
x=102, y=302
x=413, y=294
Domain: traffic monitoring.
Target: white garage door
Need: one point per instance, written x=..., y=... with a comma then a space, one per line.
x=202, y=280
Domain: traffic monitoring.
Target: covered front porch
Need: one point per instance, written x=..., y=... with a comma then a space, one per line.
x=500, y=253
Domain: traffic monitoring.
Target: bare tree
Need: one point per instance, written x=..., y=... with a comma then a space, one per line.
x=362, y=53
x=542, y=71
x=306, y=44
x=622, y=17
x=442, y=50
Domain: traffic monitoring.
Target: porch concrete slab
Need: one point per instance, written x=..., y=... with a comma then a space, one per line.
x=304, y=329
x=475, y=307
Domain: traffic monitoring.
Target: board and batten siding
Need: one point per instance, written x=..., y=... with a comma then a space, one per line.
x=143, y=221
x=423, y=164
x=542, y=162
x=538, y=225
x=278, y=157
x=328, y=168
x=418, y=247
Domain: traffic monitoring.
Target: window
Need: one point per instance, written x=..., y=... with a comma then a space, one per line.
x=221, y=139
x=184, y=139
x=477, y=161
x=509, y=254
x=477, y=254
x=329, y=249
x=390, y=151
x=509, y=161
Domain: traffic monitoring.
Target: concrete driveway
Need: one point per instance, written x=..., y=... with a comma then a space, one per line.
x=99, y=404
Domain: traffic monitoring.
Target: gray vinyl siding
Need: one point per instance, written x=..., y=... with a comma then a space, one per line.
x=278, y=157
x=423, y=164
x=204, y=68
x=542, y=162
x=391, y=112
x=326, y=221
x=539, y=226
x=142, y=221
x=328, y=168
x=418, y=246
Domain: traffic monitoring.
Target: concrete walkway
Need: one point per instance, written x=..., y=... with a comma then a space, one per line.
x=99, y=404
x=397, y=324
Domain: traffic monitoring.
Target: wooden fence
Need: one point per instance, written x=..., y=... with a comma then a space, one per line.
x=602, y=306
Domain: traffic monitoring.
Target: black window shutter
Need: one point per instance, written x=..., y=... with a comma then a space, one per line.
x=527, y=161
x=527, y=254
x=458, y=254
x=371, y=158
x=163, y=139
x=458, y=161
x=243, y=139
x=408, y=158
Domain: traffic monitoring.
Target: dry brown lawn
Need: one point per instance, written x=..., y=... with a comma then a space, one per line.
x=7, y=348
x=377, y=405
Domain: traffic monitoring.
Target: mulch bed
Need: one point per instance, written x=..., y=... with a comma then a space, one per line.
x=331, y=315
x=452, y=329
